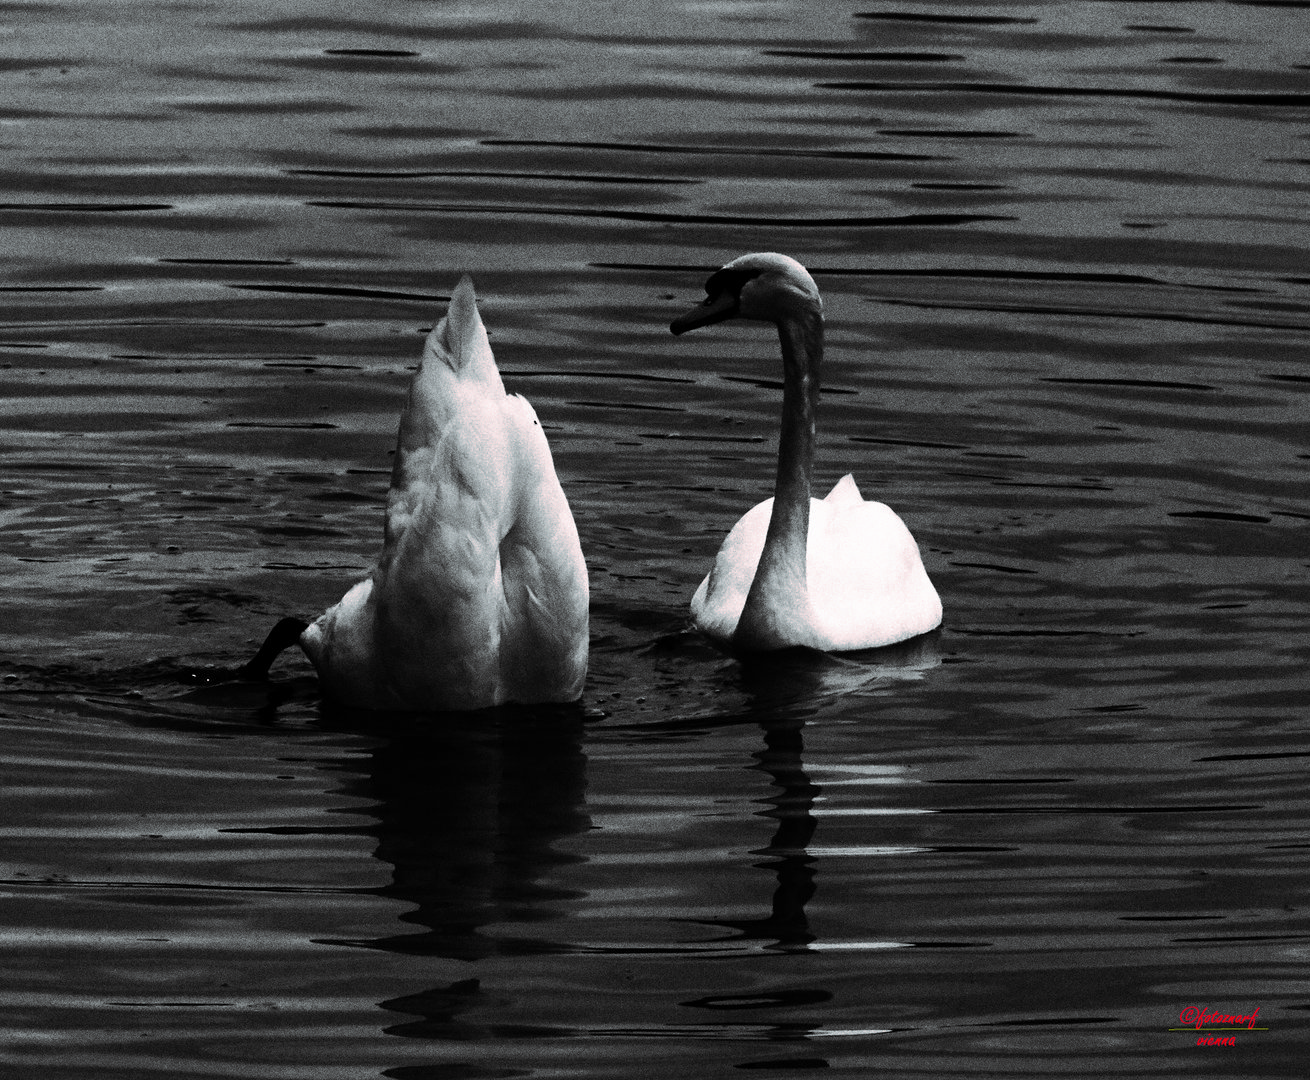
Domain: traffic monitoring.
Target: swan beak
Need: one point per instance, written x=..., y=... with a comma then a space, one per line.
x=714, y=309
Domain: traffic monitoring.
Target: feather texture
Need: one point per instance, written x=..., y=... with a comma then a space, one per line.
x=480, y=594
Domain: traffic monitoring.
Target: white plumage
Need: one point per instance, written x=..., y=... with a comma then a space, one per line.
x=851, y=600
x=835, y=574
x=480, y=594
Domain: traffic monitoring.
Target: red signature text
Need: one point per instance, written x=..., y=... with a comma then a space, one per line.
x=1209, y=1023
x=1192, y=1016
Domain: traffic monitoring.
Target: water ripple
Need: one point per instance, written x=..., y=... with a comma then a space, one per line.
x=1062, y=256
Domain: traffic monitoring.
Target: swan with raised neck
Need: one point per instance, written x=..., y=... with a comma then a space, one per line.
x=836, y=574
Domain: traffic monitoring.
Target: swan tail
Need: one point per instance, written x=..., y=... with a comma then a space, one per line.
x=452, y=415
x=844, y=493
x=459, y=340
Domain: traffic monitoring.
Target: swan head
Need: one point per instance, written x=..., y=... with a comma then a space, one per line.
x=764, y=286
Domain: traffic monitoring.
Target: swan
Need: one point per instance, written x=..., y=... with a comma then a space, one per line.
x=480, y=595
x=835, y=574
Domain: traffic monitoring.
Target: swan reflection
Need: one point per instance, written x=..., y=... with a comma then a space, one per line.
x=467, y=815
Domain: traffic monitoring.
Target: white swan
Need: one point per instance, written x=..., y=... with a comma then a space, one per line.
x=480, y=594
x=834, y=574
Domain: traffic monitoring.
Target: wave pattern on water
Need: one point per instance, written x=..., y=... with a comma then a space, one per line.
x=1062, y=250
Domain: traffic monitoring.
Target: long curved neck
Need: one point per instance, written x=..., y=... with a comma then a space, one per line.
x=779, y=589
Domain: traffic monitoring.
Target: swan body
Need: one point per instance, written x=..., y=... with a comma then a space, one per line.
x=480, y=595
x=850, y=600
x=835, y=574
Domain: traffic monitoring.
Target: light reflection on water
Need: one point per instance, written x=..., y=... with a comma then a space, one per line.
x=1062, y=253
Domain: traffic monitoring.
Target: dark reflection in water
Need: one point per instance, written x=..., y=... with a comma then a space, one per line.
x=781, y=759
x=1062, y=251
x=467, y=812
x=466, y=815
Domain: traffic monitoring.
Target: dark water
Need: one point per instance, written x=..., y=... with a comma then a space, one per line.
x=1063, y=253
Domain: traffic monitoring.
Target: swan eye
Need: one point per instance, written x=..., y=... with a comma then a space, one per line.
x=729, y=281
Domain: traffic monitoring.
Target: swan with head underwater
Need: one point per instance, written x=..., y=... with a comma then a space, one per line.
x=480, y=595
x=835, y=574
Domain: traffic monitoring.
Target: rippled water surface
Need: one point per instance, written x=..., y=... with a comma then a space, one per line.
x=1062, y=248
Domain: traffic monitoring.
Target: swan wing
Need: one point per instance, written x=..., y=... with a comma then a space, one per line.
x=543, y=577
x=866, y=580
x=717, y=604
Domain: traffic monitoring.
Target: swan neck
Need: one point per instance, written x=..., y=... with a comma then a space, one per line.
x=779, y=588
x=802, y=354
